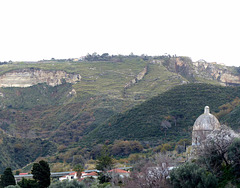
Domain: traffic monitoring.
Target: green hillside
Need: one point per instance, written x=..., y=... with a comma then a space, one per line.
x=109, y=87
x=233, y=119
x=51, y=113
x=167, y=117
x=16, y=152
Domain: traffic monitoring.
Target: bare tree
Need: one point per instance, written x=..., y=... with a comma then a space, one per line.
x=153, y=174
x=213, y=151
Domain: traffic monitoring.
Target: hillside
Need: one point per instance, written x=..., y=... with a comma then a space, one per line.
x=64, y=100
x=167, y=117
x=17, y=152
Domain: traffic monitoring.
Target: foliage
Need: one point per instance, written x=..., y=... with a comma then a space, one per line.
x=184, y=103
x=104, y=178
x=41, y=173
x=220, y=154
x=79, y=169
x=67, y=184
x=190, y=175
x=28, y=183
x=17, y=152
x=227, y=108
x=7, y=178
x=104, y=161
x=213, y=152
x=50, y=113
x=150, y=173
x=234, y=156
x=124, y=148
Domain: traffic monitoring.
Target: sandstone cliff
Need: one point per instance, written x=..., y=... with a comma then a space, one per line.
x=30, y=77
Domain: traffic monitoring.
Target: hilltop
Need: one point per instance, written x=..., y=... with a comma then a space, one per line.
x=64, y=100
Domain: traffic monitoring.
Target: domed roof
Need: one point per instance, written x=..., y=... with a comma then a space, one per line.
x=206, y=122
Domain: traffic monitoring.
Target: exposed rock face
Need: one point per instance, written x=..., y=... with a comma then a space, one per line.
x=218, y=72
x=30, y=77
x=138, y=78
x=211, y=71
x=72, y=93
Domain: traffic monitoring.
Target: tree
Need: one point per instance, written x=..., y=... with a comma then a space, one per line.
x=213, y=152
x=152, y=173
x=41, y=173
x=78, y=168
x=104, y=161
x=7, y=178
x=220, y=153
x=190, y=175
x=234, y=157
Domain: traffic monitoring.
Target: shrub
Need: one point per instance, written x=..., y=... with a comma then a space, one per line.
x=66, y=184
x=190, y=175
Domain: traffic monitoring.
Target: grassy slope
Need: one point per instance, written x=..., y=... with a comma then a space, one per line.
x=185, y=103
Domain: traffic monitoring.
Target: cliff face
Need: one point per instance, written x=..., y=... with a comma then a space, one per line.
x=30, y=77
x=211, y=71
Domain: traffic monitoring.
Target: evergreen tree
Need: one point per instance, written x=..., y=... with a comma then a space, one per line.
x=7, y=178
x=104, y=161
x=41, y=173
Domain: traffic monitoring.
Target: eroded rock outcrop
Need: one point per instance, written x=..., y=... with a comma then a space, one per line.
x=137, y=78
x=211, y=71
x=30, y=77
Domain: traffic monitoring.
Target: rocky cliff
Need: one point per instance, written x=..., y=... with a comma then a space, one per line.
x=211, y=71
x=30, y=77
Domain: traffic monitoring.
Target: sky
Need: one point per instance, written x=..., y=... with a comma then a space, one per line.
x=32, y=30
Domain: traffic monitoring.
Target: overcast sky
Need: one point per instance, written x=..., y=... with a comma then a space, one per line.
x=44, y=29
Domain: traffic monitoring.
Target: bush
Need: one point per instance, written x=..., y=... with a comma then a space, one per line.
x=26, y=183
x=190, y=175
x=67, y=184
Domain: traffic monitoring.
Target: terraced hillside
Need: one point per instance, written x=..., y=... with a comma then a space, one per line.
x=68, y=99
x=168, y=116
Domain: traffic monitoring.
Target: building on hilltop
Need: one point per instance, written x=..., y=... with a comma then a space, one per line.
x=203, y=126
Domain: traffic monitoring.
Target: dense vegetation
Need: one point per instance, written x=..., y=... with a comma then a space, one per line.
x=17, y=152
x=167, y=117
x=109, y=86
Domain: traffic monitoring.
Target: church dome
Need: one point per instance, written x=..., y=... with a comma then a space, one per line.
x=206, y=122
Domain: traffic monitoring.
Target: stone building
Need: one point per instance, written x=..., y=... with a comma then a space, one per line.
x=203, y=126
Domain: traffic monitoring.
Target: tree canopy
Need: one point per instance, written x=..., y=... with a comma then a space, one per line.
x=104, y=161
x=41, y=173
x=7, y=178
